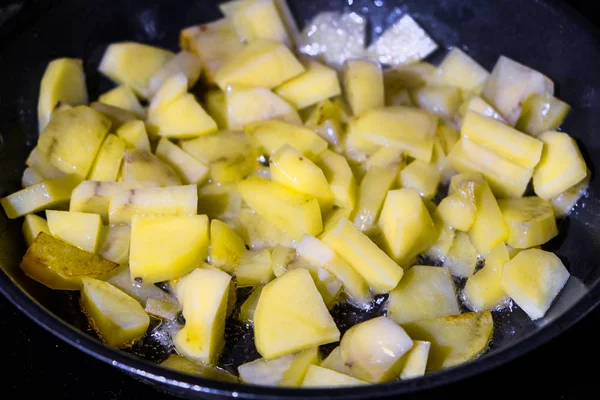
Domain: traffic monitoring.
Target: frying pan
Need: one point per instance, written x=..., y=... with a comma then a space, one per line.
x=547, y=36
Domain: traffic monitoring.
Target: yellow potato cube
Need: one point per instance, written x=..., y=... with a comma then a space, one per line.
x=203, y=295
x=372, y=191
x=162, y=309
x=335, y=362
x=281, y=257
x=189, y=169
x=42, y=164
x=380, y=272
x=319, y=377
x=533, y=279
x=423, y=293
x=167, y=247
x=115, y=244
x=63, y=83
x=329, y=119
x=316, y=84
x=173, y=88
x=182, y=364
x=123, y=97
x=561, y=167
x=479, y=105
x=46, y=194
x=133, y=64
x=226, y=246
x=184, y=63
x=248, y=105
x=32, y=226
x=142, y=166
x=259, y=19
x=440, y=100
x=215, y=104
x=398, y=80
x=134, y=135
x=274, y=134
x=327, y=284
x=530, y=221
x=458, y=211
x=79, y=229
x=542, y=113
x=108, y=161
x=564, y=202
x=255, y=268
x=249, y=307
x=219, y=201
x=183, y=118
x=462, y=257
x=445, y=236
x=259, y=233
x=460, y=70
x=363, y=85
x=423, y=177
x=414, y=363
x=340, y=177
x=291, y=169
x=287, y=371
x=261, y=63
x=406, y=226
x=295, y=213
x=483, y=291
x=291, y=316
x=117, y=116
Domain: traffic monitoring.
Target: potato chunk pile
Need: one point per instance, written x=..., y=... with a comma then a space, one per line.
x=309, y=185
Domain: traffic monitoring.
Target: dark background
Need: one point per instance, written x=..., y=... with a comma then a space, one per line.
x=35, y=362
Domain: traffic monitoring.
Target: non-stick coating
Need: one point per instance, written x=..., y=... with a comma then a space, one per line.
x=546, y=36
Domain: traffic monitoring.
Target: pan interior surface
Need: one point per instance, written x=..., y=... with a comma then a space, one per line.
x=541, y=35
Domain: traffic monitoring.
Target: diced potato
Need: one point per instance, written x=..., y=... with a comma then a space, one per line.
x=533, y=279
x=135, y=136
x=215, y=104
x=184, y=63
x=219, y=201
x=203, y=295
x=123, y=97
x=530, y=221
x=340, y=177
x=327, y=283
x=357, y=148
x=273, y=134
x=397, y=82
x=440, y=100
x=489, y=229
x=458, y=210
x=441, y=161
x=173, y=88
x=291, y=169
x=479, y=105
x=564, y=202
x=373, y=350
x=142, y=292
x=183, y=118
x=423, y=177
x=380, y=272
x=255, y=268
x=328, y=120
x=46, y=194
x=541, y=113
x=561, y=167
x=142, y=166
x=133, y=64
x=72, y=139
x=60, y=266
x=249, y=306
x=118, y=318
x=32, y=226
x=287, y=371
x=189, y=169
x=42, y=164
x=423, y=293
x=248, y=105
x=460, y=70
x=31, y=177
x=281, y=257
x=502, y=139
x=445, y=237
x=115, y=242
x=259, y=19
x=291, y=316
x=455, y=339
x=259, y=233
x=414, y=363
x=108, y=161
x=63, y=83
x=335, y=362
x=317, y=253
x=404, y=128
x=213, y=43
x=462, y=257
x=403, y=43
x=363, y=85
x=483, y=291
x=406, y=226
x=162, y=309
x=117, y=116
x=261, y=63
x=316, y=84
x=167, y=247
x=226, y=246
x=78, y=229
x=510, y=84
x=322, y=377
x=295, y=213
x=184, y=365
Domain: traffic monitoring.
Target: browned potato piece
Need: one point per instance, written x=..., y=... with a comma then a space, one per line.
x=59, y=265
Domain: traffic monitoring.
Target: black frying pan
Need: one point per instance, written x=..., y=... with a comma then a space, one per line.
x=544, y=35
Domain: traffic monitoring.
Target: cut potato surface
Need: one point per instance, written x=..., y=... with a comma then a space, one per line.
x=79, y=229
x=322, y=377
x=187, y=366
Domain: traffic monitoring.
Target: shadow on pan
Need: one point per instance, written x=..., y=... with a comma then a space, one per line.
x=544, y=35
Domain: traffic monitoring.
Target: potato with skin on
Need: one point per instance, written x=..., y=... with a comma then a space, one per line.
x=204, y=295
x=462, y=257
x=373, y=350
x=63, y=83
x=483, y=291
x=319, y=377
x=261, y=63
x=542, y=113
x=272, y=135
x=167, y=247
x=32, y=226
x=133, y=64
x=533, y=279
x=363, y=85
x=249, y=306
x=184, y=365
x=380, y=272
x=117, y=317
x=254, y=268
x=293, y=212
x=123, y=97
x=59, y=265
x=50, y=193
x=423, y=293
x=291, y=316
x=455, y=339
x=134, y=135
x=316, y=84
x=460, y=70
x=287, y=371
x=561, y=167
x=189, y=169
x=108, y=161
x=226, y=246
x=530, y=221
x=79, y=229
x=340, y=177
x=142, y=166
